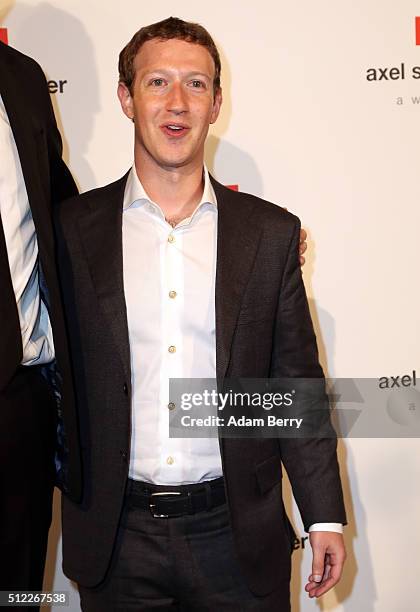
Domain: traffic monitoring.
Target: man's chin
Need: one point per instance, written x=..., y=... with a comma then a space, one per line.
x=176, y=163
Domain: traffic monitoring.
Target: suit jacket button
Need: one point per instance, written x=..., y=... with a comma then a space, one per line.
x=125, y=389
x=123, y=455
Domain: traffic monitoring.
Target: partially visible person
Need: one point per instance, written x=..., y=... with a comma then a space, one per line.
x=34, y=366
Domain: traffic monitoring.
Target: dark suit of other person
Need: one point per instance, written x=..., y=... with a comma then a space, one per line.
x=33, y=178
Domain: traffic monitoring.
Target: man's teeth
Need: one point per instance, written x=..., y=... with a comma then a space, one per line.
x=175, y=127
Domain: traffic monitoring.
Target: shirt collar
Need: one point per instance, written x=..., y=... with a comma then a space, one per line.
x=134, y=191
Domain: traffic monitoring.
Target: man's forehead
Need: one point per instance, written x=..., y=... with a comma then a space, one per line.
x=174, y=53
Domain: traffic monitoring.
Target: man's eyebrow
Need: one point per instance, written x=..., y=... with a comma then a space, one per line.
x=194, y=73
x=168, y=71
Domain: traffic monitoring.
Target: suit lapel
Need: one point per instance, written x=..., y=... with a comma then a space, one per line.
x=238, y=233
x=24, y=128
x=101, y=233
x=29, y=135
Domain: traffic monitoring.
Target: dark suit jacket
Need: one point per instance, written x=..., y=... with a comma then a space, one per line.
x=25, y=95
x=263, y=329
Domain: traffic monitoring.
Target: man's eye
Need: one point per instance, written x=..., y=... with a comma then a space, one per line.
x=157, y=82
x=197, y=84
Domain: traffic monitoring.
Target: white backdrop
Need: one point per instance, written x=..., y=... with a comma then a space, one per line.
x=302, y=126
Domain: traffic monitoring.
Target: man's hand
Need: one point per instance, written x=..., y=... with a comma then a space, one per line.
x=302, y=246
x=328, y=556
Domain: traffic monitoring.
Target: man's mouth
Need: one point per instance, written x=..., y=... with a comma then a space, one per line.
x=175, y=130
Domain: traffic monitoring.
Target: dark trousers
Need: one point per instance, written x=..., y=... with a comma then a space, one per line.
x=186, y=563
x=27, y=440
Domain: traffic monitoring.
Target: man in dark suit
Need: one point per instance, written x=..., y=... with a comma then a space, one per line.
x=165, y=274
x=34, y=364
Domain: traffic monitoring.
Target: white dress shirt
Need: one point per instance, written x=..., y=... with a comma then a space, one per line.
x=22, y=251
x=169, y=284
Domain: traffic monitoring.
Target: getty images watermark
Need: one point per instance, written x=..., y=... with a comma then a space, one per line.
x=294, y=408
x=243, y=402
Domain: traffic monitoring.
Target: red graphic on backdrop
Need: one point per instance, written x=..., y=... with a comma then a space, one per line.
x=233, y=187
x=3, y=36
x=417, y=30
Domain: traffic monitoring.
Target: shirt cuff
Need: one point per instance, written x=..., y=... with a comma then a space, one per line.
x=336, y=527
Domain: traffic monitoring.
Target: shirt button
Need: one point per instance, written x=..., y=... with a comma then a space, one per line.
x=170, y=460
x=172, y=349
x=171, y=238
x=171, y=406
x=172, y=294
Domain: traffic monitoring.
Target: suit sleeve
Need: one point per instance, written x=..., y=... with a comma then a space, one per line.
x=62, y=183
x=311, y=463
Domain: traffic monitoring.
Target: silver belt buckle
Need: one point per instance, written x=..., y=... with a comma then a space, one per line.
x=151, y=505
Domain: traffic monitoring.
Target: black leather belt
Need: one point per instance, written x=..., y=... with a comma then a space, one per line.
x=172, y=501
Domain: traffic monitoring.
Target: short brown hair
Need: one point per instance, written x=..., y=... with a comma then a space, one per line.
x=166, y=30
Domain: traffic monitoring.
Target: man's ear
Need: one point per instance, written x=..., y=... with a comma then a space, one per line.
x=126, y=100
x=217, y=103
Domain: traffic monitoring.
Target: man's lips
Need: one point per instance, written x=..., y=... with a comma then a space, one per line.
x=174, y=130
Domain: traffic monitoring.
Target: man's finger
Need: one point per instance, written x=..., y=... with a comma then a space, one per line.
x=318, y=564
x=303, y=235
x=333, y=569
x=314, y=587
x=316, y=590
x=327, y=571
x=302, y=247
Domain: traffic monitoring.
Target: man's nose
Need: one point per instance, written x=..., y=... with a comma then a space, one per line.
x=177, y=99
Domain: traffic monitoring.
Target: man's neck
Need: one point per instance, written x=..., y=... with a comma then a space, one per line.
x=177, y=190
